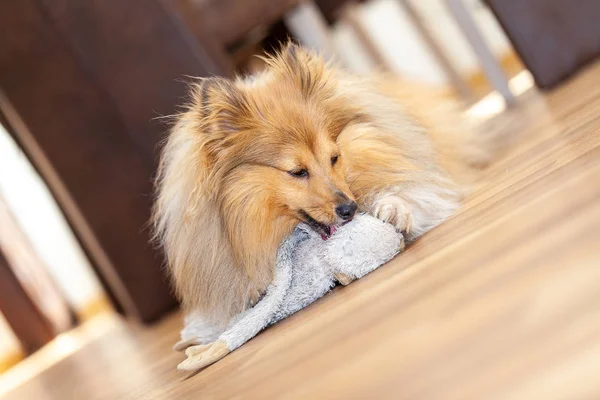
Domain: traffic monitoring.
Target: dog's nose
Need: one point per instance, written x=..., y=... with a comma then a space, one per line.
x=346, y=211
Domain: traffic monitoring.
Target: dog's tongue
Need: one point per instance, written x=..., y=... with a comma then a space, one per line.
x=332, y=230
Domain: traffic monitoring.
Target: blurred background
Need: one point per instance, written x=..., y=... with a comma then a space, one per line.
x=83, y=84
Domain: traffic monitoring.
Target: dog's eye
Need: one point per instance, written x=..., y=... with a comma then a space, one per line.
x=334, y=159
x=300, y=173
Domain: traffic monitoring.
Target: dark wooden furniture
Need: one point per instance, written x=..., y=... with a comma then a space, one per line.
x=26, y=320
x=554, y=38
x=227, y=21
x=233, y=24
x=82, y=83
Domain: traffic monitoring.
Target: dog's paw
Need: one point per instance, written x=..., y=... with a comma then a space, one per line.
x=202, y=356
x=394, y=210
x=343, y=278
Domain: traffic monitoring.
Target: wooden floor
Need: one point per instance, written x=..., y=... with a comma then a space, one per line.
x=500, y=302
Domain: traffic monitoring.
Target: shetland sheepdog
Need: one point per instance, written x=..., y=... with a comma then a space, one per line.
x=302, y=141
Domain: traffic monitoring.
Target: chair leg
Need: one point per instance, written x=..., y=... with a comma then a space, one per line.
x=349, y=16
x=488, y=61
x=438, y=52
x=308, y=25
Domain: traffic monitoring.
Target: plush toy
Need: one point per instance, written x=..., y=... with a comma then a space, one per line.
x=307, y=267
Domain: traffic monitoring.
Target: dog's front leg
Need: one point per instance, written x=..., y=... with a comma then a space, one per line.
x=395, y=210
x=414, y=211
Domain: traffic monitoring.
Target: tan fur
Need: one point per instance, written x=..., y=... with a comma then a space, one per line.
x=226, y=198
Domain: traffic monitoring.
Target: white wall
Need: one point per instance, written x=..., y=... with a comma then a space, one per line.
x=38, y=215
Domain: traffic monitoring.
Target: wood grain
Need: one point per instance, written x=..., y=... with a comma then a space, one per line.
x=500, y=302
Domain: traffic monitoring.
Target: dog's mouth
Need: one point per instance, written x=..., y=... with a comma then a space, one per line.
x=325, y=230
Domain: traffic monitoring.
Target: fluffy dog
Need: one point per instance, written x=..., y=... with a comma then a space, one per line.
x=302, y=141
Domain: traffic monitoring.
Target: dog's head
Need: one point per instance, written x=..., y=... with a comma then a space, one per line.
x=270, y=141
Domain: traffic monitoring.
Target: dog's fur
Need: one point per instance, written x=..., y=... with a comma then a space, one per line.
x=227, y=195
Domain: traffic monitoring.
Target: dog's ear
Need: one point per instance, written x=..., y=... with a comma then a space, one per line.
x=224, y=107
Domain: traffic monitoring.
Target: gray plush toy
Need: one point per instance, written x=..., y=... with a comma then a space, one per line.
x=307, y=267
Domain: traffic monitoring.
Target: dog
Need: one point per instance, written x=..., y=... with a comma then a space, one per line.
x=302, y=141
